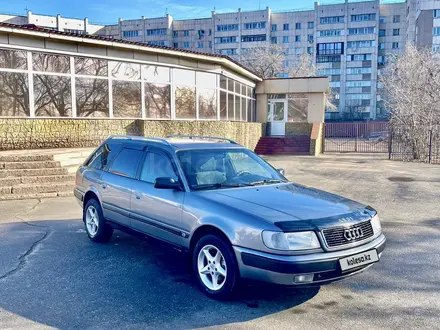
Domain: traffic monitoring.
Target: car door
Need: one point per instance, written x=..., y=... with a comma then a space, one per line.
x=117, y=184
x=158, y=212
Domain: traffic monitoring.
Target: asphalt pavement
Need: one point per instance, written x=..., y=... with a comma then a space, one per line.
x=53, y=276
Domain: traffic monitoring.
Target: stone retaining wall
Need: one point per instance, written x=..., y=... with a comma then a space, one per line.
x=73, y=133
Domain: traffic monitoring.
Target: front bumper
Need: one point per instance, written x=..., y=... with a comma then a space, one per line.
x=279, y=269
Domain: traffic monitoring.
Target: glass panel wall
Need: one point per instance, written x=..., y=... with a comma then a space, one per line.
x=66, y=86
x=14, y=93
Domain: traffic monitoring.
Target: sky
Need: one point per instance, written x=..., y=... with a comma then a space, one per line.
x=108, y=11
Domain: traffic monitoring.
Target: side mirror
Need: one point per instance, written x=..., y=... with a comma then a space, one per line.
x=167, y=183
x=281, y=171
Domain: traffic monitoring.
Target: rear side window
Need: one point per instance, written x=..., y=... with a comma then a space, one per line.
x=127, y=162
x=103, y=156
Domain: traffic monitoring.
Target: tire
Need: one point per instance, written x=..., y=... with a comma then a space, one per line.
x=96, y=228
x=206, y=271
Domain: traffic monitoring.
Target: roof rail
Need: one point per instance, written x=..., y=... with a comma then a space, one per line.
x=200, y=137
x=138, y=138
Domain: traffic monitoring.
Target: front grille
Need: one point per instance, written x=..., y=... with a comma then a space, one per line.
x=334, y=237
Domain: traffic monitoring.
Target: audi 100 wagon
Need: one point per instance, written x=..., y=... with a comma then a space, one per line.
x=236, y=216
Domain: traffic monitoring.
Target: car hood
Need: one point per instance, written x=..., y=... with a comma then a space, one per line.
x=291, y=202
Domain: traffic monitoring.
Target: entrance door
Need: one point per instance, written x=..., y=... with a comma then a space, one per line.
x=278, y=117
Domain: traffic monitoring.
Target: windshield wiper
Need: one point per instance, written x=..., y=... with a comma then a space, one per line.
x=217, y=185
x=267, y=181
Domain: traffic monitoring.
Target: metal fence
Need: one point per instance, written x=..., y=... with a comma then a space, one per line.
x=415, y=145
x=363, y=137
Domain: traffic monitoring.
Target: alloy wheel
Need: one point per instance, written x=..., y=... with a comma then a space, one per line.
x=212, y=267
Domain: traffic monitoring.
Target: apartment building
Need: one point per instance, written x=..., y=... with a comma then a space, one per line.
x=350, y=41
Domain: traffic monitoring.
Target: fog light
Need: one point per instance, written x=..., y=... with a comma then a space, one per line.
x=303, y=278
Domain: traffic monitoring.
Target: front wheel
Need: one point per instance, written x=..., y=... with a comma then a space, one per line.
x=215, y=267
x=96, y=228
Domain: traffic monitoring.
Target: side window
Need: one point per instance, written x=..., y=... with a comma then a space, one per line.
x=127, y=162
x=100, y=159
x=157, y=166
x=103, y=156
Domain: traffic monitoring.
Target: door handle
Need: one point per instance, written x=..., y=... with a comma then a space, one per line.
x=104, y=186
x=137, y=196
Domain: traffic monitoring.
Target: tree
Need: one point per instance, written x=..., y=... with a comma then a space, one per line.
x=411, y=93
x=268, y=62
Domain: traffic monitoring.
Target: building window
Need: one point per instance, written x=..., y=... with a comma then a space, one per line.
x=329, y=72
x=210, y=44
x=381, y=60
x=225, y=40
x=310, y=50
x=286, y=63
x=331, y=33
x=273, y=27
x=209, y=32
x=297, y=38
x=286, y=26
x=382, y=19
x=176, y=45
x=361, y=44
x=332, y=48
x=358, y=70
x=253, y=38
x=358, y=83
x=200, y=44
x=396, y=19
x=396, y=32
x=273, y=40
x=436, y=31
x=227, y=27
x=382, y=33
x=175, y=34
x=436, y=13
x=310, y=25
x=130, y=34
x=328, y=58
x=331, y=20
x=363, y=17
x=186, y=44
x=436, y=48
x=395, y=45
x=363, y=30
x=298, y=51
x=157, y=43
x=297, y=26
x=255, y=25
x=186, y=33
x=358, y=97
x=359, y=57
x=156, y=32
x=310, y=37
x=230, y=51
x=285, y=39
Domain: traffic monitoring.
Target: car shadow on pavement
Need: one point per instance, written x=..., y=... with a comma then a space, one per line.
x=52, y=274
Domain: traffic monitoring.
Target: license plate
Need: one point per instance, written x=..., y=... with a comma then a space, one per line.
x=358, y=260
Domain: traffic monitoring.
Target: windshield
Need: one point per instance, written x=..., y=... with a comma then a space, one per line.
x=225, y=168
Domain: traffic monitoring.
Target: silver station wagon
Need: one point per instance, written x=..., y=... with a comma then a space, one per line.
x=236, y=216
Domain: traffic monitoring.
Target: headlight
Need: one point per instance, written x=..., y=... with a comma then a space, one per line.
x=375, y=223
x=304, y=240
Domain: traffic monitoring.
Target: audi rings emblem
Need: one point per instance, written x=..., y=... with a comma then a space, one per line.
x=353, y=233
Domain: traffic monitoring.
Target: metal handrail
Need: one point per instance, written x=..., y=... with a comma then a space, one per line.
x=201, y=137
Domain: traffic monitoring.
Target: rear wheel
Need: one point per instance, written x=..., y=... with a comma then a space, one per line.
x=215, y=267
x=96, y=228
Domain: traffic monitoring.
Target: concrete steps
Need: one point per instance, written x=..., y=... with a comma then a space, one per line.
x=295, y=145
x=29, y=175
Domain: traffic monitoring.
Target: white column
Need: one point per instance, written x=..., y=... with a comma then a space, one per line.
x=31, y=85
x=73, y=86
